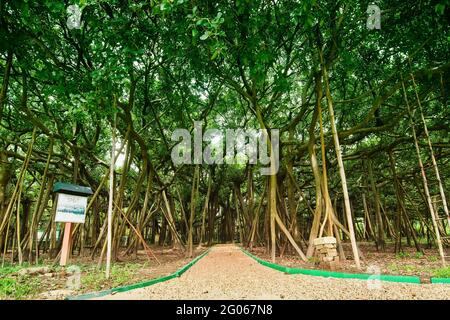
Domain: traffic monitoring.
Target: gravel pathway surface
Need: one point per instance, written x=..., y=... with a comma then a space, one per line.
x=227, y=273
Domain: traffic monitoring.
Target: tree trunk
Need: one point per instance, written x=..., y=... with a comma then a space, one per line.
x=194, y=192
x=341, y=167
x=376, y=201
x=425, y=182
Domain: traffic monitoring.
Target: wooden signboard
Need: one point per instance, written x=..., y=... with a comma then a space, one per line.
x=70, y=208
x=71, y=202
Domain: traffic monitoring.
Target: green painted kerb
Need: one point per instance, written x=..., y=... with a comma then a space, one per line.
x=342, y=275
x=140, y=284
x=440, y=280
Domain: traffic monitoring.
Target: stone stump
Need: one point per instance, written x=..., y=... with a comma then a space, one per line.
x=325, y=251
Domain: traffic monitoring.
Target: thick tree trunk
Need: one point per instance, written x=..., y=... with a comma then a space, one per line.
x=318, y=186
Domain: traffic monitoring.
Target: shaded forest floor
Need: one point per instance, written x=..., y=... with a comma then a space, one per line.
x=408, y=262
x=50, y=281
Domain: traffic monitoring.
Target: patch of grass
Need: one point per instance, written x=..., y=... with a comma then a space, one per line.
x=442, y=272
x=432, y=258
x=121, y=274
x=13, y=268
x=418, y=255
x=93, y=280
x=9, y=269
x=313, y=260
x=393, y=267
x=18, y=288
x=402, y=255
x=410, y=268
x=14, y=286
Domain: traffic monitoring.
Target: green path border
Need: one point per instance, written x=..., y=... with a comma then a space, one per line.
x=440, y=280
x=333, y=274
x=139, y=285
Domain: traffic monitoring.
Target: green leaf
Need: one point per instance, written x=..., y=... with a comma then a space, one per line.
x=165, y=6
x=205, y=36
x=215, y=54
x=440, y=8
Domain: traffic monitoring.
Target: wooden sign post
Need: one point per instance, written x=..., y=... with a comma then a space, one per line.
x=67, y=244
x=71, y=202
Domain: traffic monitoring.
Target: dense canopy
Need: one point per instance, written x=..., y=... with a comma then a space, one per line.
x=363, y=116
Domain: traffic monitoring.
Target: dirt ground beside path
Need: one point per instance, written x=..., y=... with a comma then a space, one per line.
x=227, y=273
x=408, y=262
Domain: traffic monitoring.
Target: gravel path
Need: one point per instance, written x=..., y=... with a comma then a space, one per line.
x=227, y=273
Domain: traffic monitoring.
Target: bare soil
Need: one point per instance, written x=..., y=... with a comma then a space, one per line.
x=408, y=262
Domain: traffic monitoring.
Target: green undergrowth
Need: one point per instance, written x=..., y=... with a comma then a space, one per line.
x=121, y=274
x=13, y=286
x=417, y=269
x=442, y=272
x=16, y=286
x=407, y=255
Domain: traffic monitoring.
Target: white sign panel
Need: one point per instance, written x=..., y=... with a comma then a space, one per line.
x=71, y=208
